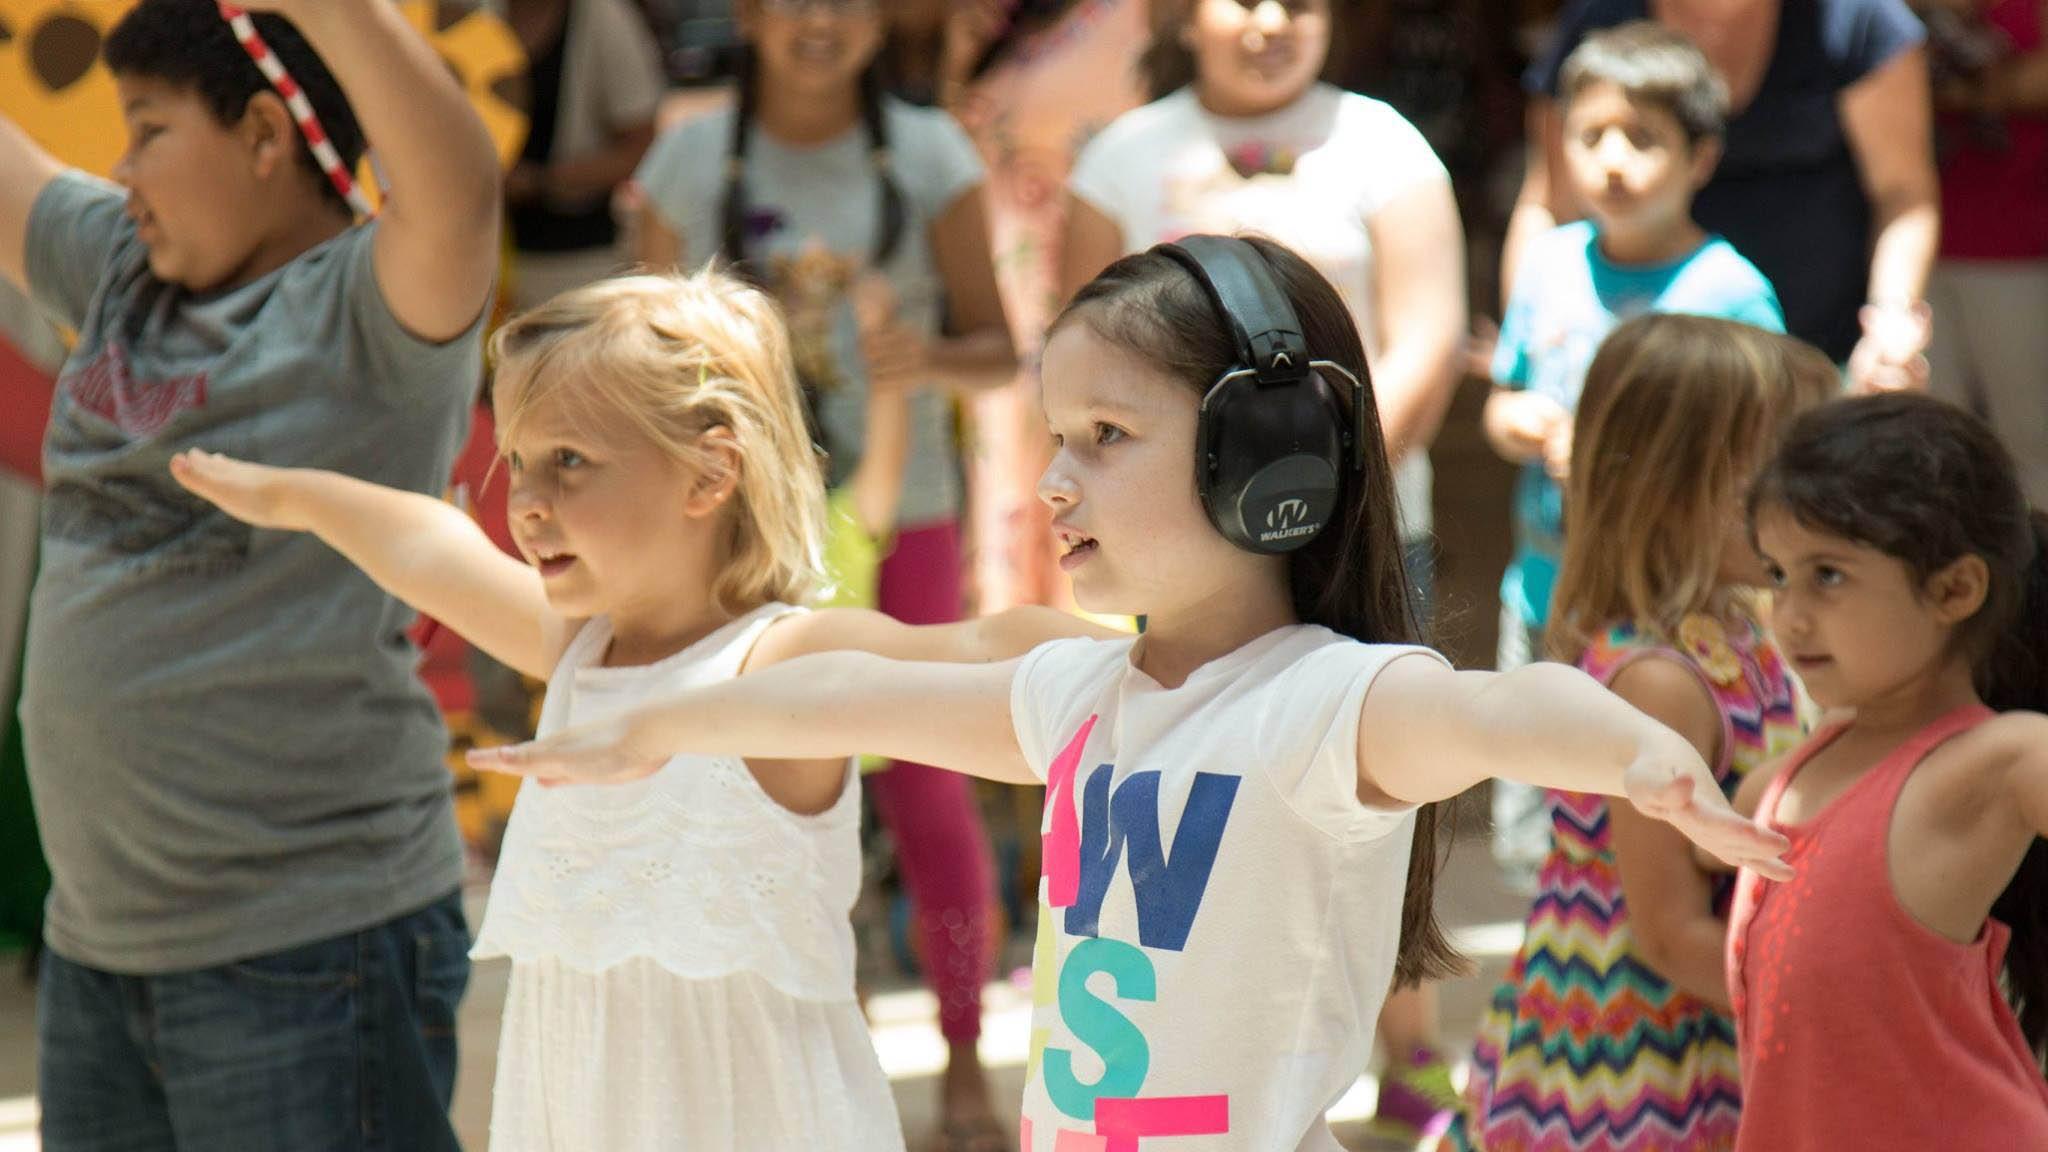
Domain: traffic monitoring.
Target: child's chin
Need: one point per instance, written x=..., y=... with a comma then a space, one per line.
x=575, y=603
x=1101, y=602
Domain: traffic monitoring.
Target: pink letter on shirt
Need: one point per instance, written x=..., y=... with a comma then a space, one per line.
x=1061, y=847
x=1125, y=1122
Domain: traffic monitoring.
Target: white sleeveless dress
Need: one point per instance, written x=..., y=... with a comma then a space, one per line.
x=682, y=959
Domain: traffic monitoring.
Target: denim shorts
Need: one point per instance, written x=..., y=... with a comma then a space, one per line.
x=346, y=1044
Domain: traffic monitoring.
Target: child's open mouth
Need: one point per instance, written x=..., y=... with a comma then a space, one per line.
x=552, y=564
x=1079, y=549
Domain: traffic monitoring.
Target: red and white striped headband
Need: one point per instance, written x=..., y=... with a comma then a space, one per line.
x=301, y=108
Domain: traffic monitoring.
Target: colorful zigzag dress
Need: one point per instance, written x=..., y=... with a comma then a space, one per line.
x=1585, y=1048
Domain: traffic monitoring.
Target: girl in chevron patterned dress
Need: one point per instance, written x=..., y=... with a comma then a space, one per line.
x=1611, y=1033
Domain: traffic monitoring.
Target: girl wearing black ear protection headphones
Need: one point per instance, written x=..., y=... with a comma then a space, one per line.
x=1239, y=834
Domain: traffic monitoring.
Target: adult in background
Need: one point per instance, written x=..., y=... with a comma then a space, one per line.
x=1991, y=287
x=1827, y=183
x=594, y=82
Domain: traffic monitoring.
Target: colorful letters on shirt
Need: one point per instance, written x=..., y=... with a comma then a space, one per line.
x=1088, y=835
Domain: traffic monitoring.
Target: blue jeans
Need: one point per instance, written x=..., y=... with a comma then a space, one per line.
x=346, y=1045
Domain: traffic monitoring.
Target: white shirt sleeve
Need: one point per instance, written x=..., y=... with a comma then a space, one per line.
x=682, y=176
x=1057, y=686
x=1324, y=700
x=937, y=161
x=1103, y=175
x=1401, y=159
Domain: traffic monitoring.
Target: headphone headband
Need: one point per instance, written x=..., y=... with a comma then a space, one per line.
x=1262, y=322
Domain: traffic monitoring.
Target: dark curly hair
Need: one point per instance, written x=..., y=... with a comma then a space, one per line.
x=185, y=42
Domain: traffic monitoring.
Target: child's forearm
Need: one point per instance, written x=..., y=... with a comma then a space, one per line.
x=1428, y=733
x=1554, y=726
x=430, y=145
x=877, y=481
x=428, y=553
x=597, y=172
x=24, y=171
x=976, y=361
x=1501, y=435
x=1670, y=904
x=842, y=704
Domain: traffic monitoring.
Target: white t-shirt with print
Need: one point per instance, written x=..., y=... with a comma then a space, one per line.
x=1311, y=176
x=812, y=218
x=1219, y=915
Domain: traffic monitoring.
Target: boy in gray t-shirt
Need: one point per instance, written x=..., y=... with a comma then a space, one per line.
x=254, y=933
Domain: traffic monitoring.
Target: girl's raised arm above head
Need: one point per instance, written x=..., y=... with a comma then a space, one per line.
x=832, y=704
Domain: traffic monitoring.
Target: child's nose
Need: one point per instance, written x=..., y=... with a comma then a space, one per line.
x=1055, y=488
x=1270, y=18
x=524, y=500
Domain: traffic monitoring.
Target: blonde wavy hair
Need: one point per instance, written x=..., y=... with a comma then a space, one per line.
x=1677, y=416
x=678, y=356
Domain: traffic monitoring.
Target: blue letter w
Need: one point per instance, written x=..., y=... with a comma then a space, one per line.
x=1168, y=892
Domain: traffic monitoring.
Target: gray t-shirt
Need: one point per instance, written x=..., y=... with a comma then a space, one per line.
x=229, y=750
x=812, y=217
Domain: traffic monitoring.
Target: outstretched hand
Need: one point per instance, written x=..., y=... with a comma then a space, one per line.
x=1674, y=786
x=251, y=493
x=608, y=752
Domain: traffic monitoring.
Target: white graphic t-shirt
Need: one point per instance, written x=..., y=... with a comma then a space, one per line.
x=1310, y=176
x=1219, y=914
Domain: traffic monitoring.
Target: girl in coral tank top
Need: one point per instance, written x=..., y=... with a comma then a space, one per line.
x=1894, y=993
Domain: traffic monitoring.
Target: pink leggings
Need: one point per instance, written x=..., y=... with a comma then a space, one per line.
x=940, y=843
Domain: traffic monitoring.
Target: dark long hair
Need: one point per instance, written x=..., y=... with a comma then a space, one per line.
x=1927, y=483
x=732, y=211
x=1350, y=578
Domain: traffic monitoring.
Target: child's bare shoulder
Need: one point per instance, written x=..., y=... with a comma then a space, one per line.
x=2007, y=740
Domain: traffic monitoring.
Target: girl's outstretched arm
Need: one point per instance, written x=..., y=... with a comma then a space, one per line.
x=1427, y=733
x=981, y=640
x=424, y=551
x=833, y=704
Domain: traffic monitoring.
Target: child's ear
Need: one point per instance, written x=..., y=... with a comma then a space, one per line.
x=713, y=487
x=270, y=133
x=1959, y=590
x=1706, y=156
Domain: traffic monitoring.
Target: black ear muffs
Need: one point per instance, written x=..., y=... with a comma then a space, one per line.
x=1274, y=438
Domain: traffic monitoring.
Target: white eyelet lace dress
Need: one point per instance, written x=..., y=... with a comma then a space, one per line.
x=682, y=959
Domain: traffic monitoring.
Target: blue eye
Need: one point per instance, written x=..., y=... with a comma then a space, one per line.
x=1108, y=433
x=569, y=458
x=1828, y=577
